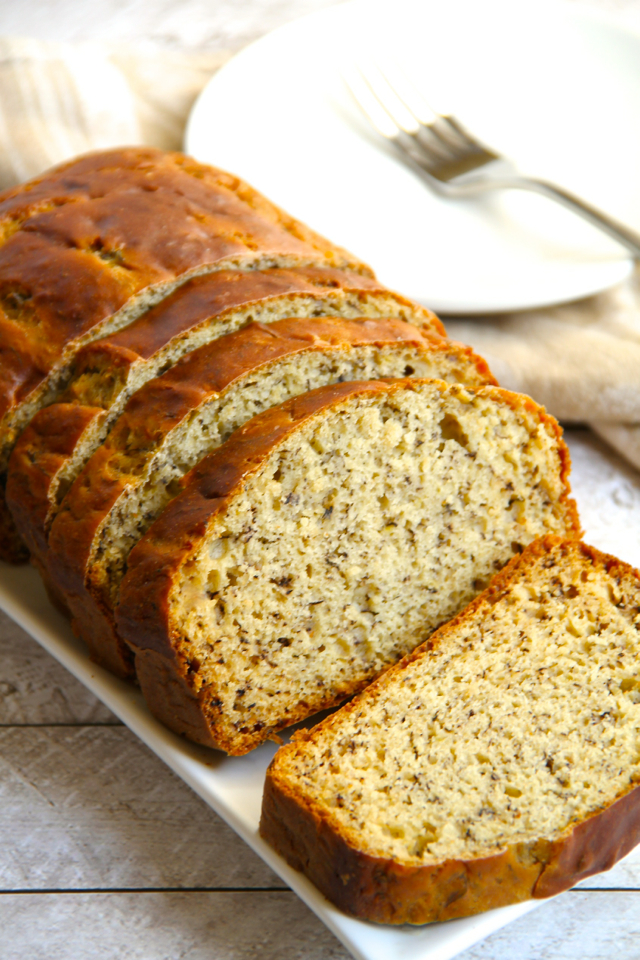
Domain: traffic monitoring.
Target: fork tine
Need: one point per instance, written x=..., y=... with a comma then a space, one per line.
x=405, y=90
x=384, y=116
x=387, y=96
x=442, y=126
x=428, y=134
x=463, y=134
x=370, y=105
x=414, y=136
x=434, y=146
x=401, y=111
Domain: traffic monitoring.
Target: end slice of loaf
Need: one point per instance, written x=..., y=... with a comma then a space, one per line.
x=499, y=762
x=326, y=539
x=90, y=245
x=178, y=418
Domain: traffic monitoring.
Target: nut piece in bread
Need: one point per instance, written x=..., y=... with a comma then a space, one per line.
x=326, y=539
x=498, y=762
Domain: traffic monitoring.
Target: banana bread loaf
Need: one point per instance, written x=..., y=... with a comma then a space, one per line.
x=178, y=418
x=498, y=762
x=326, y=539
x=106, y=372
x=90, y=245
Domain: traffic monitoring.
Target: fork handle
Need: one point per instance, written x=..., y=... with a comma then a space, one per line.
x=619, y=231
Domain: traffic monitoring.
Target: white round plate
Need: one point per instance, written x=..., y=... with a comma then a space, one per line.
x=555, y=88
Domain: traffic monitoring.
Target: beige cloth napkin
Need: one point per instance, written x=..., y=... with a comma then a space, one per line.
x=582, y=360
x=58, y=100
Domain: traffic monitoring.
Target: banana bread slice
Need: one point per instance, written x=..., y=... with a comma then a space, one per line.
x=498, y=762
x=106, y=372
x=92, y=244
x=326, y=539
x=178, y=418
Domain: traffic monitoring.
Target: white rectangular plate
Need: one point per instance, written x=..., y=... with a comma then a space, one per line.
x=233, y=786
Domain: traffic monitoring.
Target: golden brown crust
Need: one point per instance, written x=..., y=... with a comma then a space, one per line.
x=95, y=627
x=51, y=438
x=381, y=890
x=386, y=891
x=83, y=239
x=171, y=699
x=162, y=403
x=39, y=455
x=79, y=243
x=12, y=548
x=213, y=295
x=143, y=615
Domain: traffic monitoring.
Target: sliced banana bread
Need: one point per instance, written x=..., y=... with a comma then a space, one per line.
x=326, y=539
x=90, y=245
x=209, y=307
x=106, y=372
x=178, y=418
x=498, y=762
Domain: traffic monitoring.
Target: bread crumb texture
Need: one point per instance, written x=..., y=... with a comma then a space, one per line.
x=97, y=382
x=364, y=530
x=522, y=721
x=151, y=471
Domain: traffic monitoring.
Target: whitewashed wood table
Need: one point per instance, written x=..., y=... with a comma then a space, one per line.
x=104, y=853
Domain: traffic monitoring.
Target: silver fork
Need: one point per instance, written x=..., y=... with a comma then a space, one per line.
x=451, y=160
